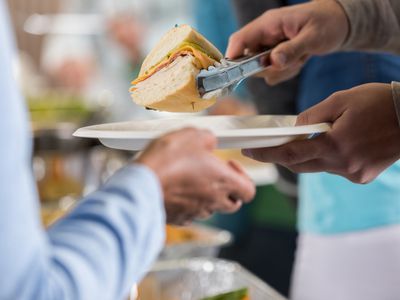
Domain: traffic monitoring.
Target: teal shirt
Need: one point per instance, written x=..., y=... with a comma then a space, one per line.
x=331, y=204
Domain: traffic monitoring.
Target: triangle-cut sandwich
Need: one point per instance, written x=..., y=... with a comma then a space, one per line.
x=167, y=78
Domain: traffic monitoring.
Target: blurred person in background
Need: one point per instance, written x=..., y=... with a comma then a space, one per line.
x=102, y=63
x=111, y=237
x=349, y=234
x=265, y=233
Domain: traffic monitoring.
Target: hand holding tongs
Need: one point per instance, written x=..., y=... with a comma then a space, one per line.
x=223, y=79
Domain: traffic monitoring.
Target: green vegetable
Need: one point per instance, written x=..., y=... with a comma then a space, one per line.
x=235, y=295
x=55, y=107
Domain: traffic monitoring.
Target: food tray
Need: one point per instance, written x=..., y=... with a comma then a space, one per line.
x=196, y=278
x=212, y=239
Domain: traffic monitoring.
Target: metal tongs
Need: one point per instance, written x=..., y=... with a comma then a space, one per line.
x=221, y=80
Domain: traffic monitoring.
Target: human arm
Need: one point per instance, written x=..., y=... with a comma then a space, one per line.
x=321, y=27
x=111, y=238
x=316, y=28
x=374, y=25
x=96, y=252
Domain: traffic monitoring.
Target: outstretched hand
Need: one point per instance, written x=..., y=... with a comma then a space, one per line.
x=195, y=182
x=299, y=31
x=363, y=142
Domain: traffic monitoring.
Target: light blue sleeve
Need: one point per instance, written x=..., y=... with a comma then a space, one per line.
x=97, y=252
x=105, y=245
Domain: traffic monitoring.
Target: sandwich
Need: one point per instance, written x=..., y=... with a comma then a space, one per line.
x=167, y=78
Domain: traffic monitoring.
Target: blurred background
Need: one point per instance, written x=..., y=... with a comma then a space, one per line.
x=75, y=64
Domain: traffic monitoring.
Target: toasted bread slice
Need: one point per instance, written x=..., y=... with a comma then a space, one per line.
x=167, y=79
x=173, y=39
x=172, y=89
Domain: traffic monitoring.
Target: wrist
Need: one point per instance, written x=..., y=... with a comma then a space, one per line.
x=370, y=23
x=333, y=16
x=396, y=98
x=154, y=165
x=347, y=22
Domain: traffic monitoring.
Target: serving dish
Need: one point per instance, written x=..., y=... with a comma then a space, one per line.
x=196, y=278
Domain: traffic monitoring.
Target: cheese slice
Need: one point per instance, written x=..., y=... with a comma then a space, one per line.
x=203, y=61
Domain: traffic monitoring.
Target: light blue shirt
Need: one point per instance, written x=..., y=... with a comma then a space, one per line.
x=105, y=245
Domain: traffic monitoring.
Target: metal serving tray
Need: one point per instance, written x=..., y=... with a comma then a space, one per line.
x=193, y=279
x=212, y=239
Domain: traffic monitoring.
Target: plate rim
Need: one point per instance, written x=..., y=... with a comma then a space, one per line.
x=91, y=132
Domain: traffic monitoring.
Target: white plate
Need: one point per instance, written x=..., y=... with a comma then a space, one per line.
x=233, y=132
